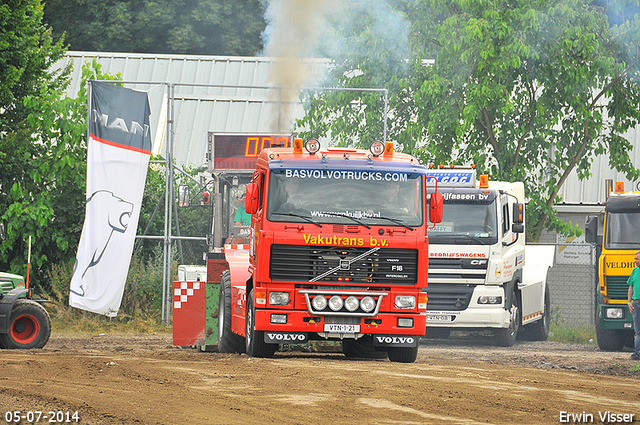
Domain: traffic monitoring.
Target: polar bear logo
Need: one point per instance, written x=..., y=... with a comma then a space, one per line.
x=110, y=215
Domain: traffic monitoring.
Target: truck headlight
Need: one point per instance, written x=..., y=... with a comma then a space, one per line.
x=614, y=313
x=351, y=303
x=489, y=299
x=405, y=301
x=279, y=318
x=278, y=298
x=336, y=303
x=319, y=302
x=367, y=304
x=405, y=322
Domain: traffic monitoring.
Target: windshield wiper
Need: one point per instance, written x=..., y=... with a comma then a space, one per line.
x=299, y=216
x=335, y=214
x=455, y=235
x=396, y=221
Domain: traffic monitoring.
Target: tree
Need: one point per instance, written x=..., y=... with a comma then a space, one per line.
x=27, y=52
x=202, y=27
x=45, y=196
x=527, y=90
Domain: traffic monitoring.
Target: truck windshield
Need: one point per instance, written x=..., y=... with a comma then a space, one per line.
x=622, y=230
x=345, y=198
x=467, y=218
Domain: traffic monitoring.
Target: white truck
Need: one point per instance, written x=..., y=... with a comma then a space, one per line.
x=477, y=274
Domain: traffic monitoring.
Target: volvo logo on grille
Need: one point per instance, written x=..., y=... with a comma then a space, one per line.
x=345, y=265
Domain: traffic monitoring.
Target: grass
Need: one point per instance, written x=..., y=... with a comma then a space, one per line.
x=560, y=331
x=573, y=334
x=68, y=321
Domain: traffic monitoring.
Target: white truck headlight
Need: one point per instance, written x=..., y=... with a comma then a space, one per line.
x=351, y=303
x=336, y=303
x=614, y=313
x=319, y=302
x=278, y=298
x=405, y=301
x=368, y=304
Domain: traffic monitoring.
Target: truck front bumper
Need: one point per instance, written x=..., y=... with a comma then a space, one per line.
x=339, y=327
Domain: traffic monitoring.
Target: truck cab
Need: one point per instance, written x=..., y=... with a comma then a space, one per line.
x=338, y=251
x=477, y=260
x=616, y=247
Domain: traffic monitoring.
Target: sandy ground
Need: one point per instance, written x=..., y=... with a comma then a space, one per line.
x=143, y=379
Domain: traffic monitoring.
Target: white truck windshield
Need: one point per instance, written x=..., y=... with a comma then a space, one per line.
x=346, y=197
x=468, y=217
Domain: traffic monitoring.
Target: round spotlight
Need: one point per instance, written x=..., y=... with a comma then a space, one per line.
x=336, y=303
x=319, y=302
x=377, y=148
x=368, y=304
x=312, y=146
x=351, y=303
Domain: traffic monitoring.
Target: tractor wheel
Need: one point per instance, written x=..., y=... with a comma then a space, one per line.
x=228, y=342
x=30, y=326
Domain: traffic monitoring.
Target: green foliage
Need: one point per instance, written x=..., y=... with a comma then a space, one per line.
x=203, y=27
x=528, y=91
x=560, y=331
x=44, y=190
x=141, y=306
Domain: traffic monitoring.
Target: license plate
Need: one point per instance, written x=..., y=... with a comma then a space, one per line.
x=439, y=318
x=341, y=329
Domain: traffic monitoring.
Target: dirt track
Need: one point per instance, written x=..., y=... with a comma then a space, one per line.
x=145, y=380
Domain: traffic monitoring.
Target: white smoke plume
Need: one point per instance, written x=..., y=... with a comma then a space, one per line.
x=292, y=34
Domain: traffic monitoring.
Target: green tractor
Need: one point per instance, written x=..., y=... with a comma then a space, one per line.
x=24, y=323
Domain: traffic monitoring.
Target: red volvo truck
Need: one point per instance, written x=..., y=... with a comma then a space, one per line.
x=337, y=250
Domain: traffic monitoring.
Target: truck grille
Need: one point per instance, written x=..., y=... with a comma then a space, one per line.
x=457, y=270
x=448, y=296
x=617, y=287
x=305, y=263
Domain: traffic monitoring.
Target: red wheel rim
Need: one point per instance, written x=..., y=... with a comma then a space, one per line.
x=25, y=329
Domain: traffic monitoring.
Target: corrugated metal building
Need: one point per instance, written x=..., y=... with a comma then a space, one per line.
x=237, y=100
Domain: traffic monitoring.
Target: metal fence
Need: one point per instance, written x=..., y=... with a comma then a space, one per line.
x=572, y=283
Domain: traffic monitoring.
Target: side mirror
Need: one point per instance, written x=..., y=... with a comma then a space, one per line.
x=436, y=205
x=518, y=214
x=591, y=229
x=251, y=203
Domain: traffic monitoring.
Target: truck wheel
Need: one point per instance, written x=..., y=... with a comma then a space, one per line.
x=30, y=326
x=254, y=341
x=610, y=339
x=228, y=342
x=361, y=348
x=539, y=331
x=403, y=354
x=506, y=337
x=437, y=333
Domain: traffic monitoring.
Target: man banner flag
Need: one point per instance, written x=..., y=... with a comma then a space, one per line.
x=118, y=154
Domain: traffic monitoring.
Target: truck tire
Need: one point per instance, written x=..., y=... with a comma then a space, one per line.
x=539, y=330
x=361, y=348
x=403, y=354
x=506, y=337
x=30, y=326
x=437, y=333
x=254, y=341
x=228, y=342
x=610, y=339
